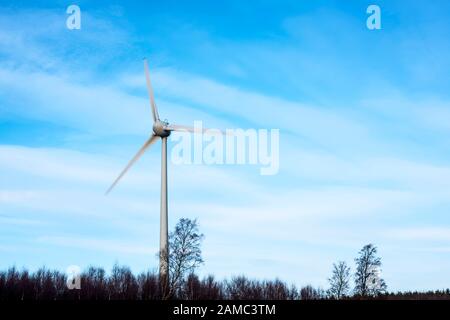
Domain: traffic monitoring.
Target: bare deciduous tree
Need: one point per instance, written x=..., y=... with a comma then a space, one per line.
x=310, y=293
x=122, y=284
x=148, y=283
x=185, y=254
x=95, y=284
x=340, y=280
x=368, y=281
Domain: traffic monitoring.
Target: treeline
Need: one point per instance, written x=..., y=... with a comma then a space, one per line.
x=122, y=284
x=185, y=256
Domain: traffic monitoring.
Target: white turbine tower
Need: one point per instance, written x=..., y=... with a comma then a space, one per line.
x=161, y=129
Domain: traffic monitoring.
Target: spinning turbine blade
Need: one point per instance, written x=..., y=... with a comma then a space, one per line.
x=150, y=92
x=141, y=151
x=175, y=127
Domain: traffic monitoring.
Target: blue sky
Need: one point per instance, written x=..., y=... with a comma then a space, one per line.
x=364, y=133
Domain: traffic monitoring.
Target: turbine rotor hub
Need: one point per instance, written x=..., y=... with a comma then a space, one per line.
x=158, y=129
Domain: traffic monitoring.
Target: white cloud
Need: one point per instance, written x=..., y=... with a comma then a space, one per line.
x=86, y=107
x=421, y=233
x=96, y=244
x=393, y=172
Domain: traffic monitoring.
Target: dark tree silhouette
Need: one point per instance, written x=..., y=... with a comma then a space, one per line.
x=122, y=284
x=278, y=290
x=367, y=276
x=206, y=289
x=148, y=286
x=310, y=293
x=339, y=281
x=211, y=289
x=45, y=284
x=241, y=288
x=95, y=284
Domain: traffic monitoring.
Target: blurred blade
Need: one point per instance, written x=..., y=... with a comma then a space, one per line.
x=178, y=128
x=150, y=92
x=141, y=151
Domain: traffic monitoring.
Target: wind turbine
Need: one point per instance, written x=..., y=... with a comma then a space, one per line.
x=161, y=129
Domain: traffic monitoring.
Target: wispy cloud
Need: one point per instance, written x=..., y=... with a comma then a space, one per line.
x=98, y=244
x=422, y=233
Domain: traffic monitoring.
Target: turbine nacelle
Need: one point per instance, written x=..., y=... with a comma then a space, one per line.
x=159, y=128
